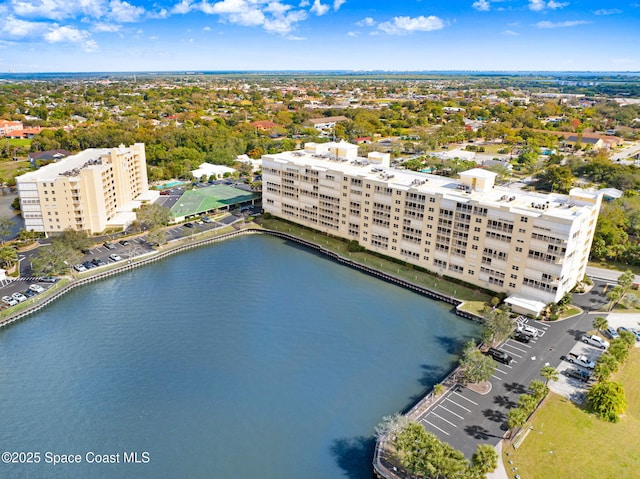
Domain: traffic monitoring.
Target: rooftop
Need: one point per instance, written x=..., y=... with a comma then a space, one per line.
x=522, y=202
x=69, y=166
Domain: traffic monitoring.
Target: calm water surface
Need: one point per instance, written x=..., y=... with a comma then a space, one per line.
x=251, y=358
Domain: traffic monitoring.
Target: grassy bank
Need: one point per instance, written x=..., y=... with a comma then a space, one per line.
x=406, y=272
x=568, y=442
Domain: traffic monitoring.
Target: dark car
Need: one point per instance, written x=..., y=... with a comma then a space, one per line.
x=98, y=262
x=188, y=225
x=28, y=293
x=579, y=374
x=522, y=337
x=109, y=245
x=89, y=264
x=124, y=242
x=500, y=356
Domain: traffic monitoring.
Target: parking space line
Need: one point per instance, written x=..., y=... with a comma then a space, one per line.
x=458, y=394
x=433, y=425
x=501, y=371
x=460, y=406
x=512, y=353
x=448, y=422
x=496, y=377
x=518, y=347
x=451, y=412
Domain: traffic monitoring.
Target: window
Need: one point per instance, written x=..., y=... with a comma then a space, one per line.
x=524, y=219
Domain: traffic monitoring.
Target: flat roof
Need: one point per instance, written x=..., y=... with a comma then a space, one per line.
x=54, y=170
x=199, y=200
x=517, y=201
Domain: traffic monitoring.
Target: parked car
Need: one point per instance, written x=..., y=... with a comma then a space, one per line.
x=29, y=293
x=206, y=219
x=500, y=356
x=188, y=225
x=124, y=242
x=48, y=279
x=36, y=288
x=611, y=333
x=580, y=360
x=594, y=340
x=109, y=245
x=636, y=332
x=526, y=329
x=18, y=296
x=89, y=265
x=520, y=336
x=115, y=257
x=80, y=268
x=579, y=374
x=9, y=301
x=98, y=262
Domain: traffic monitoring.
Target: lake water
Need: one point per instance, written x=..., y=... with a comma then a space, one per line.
x=249, y=358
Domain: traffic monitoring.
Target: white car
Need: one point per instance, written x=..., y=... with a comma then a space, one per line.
x=19, y=297
x=36, y=288
x=596, y=341
x=526, y=329
x=115, y=257
x=80, y=267
x=9, y=301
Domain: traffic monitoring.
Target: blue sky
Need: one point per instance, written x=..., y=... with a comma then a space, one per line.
x=135, y=35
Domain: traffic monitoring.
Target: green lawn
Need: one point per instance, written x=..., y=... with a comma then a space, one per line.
x=406, y=272
x=567, y=442
x=10, y=169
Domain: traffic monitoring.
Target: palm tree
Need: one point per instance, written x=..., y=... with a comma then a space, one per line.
x=8, y=256
x=549, y=373
x=600, y=323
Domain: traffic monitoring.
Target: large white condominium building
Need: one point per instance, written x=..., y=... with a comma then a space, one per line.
x=531, y=246
x=91, y=191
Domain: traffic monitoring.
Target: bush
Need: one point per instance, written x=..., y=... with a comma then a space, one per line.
x=354, y=247
x=267, y=215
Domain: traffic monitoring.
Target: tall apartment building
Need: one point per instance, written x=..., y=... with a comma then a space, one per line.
x=533, y=247
x=91, y=191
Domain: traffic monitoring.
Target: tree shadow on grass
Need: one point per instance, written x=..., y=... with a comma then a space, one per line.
x=354, y=456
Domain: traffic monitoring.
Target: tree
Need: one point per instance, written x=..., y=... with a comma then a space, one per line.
x=55, y=259
x=619, y=347
x=391, y=425
x=607, y=400
x=555, y=179
x=476, y=367
x=600, y=323
x=8, y=256
x=606, y=365
x=549, y=373
x=77, y=240
x=152, y=215
x=157, y=236
x=6, y=227
x=485, y=458
x=497, y=325
x=538, y=389
x=516, y=418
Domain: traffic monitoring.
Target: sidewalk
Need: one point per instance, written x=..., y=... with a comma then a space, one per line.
x=500, y=472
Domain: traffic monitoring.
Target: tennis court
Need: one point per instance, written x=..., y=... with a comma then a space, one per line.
x=201, y=200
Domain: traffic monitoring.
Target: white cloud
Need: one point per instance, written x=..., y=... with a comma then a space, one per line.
x=481, y=5
x=124, y=12
x=366, y=22
x=14, y=27
x=511, y=33
x=540, y=5
x=319, y=8
x=58, y=9
x=610, y=11
x=285, y=23
x=337, y=4
x=405, y=25
x=207, y=29
x=573, y=23
x=304, y=3
x=353, y=34
x=185, y=6
x=107, y=27
x=58, y=34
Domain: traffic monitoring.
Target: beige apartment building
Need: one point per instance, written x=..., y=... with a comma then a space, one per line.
x=93, y=191
x=533, y=247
